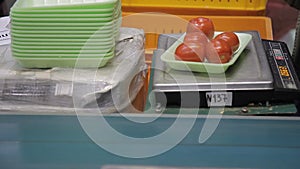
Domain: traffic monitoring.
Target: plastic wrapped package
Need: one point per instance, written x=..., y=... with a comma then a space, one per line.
x=64, y=90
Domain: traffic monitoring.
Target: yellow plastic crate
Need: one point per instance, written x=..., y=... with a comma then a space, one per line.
x=197, y=7
x=157, y=23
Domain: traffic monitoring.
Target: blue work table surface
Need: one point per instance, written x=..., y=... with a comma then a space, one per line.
x=59, y=141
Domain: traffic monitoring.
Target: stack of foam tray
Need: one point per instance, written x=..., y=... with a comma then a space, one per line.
x=110, y=88
x=64, y=33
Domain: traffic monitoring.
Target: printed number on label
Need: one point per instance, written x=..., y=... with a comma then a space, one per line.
x=219, y=98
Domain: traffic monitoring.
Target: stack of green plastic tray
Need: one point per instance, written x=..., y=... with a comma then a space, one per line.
x=64, y=33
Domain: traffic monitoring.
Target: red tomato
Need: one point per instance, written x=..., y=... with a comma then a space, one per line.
x=218, y=51
x=190, y=52
x=195, y=37
x=203, y=24
x=231, y=38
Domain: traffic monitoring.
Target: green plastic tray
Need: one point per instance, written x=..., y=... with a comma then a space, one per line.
x=79, y=47
x=61, y=51
x=63, y=20
x=65, y=46
x=62, y=24
x=54, y=44
x=78, y=14
x=75, y=54
x=61, y=28
x=56, y=40
x=66, y=36
x=169, y=57
x=63, y=62
x=101, y=32
x=67, y=19
x=65, y=11
x=23, y=5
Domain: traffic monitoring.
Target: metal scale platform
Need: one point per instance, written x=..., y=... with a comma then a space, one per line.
x=250, y=80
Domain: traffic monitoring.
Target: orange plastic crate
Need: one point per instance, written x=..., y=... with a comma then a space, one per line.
x=197, y=7
x=157, y=23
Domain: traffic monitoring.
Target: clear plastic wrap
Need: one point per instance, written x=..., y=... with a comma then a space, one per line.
x=63, y=90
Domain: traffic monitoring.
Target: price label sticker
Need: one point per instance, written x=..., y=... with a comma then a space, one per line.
x=64, y=89
x=219, y=99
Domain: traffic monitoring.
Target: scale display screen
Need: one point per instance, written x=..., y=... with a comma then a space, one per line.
x=281, y=64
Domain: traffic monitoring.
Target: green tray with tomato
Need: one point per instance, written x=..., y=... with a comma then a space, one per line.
x=169, y=57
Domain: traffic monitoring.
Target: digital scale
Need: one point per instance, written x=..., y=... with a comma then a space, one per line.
x=264, y=73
